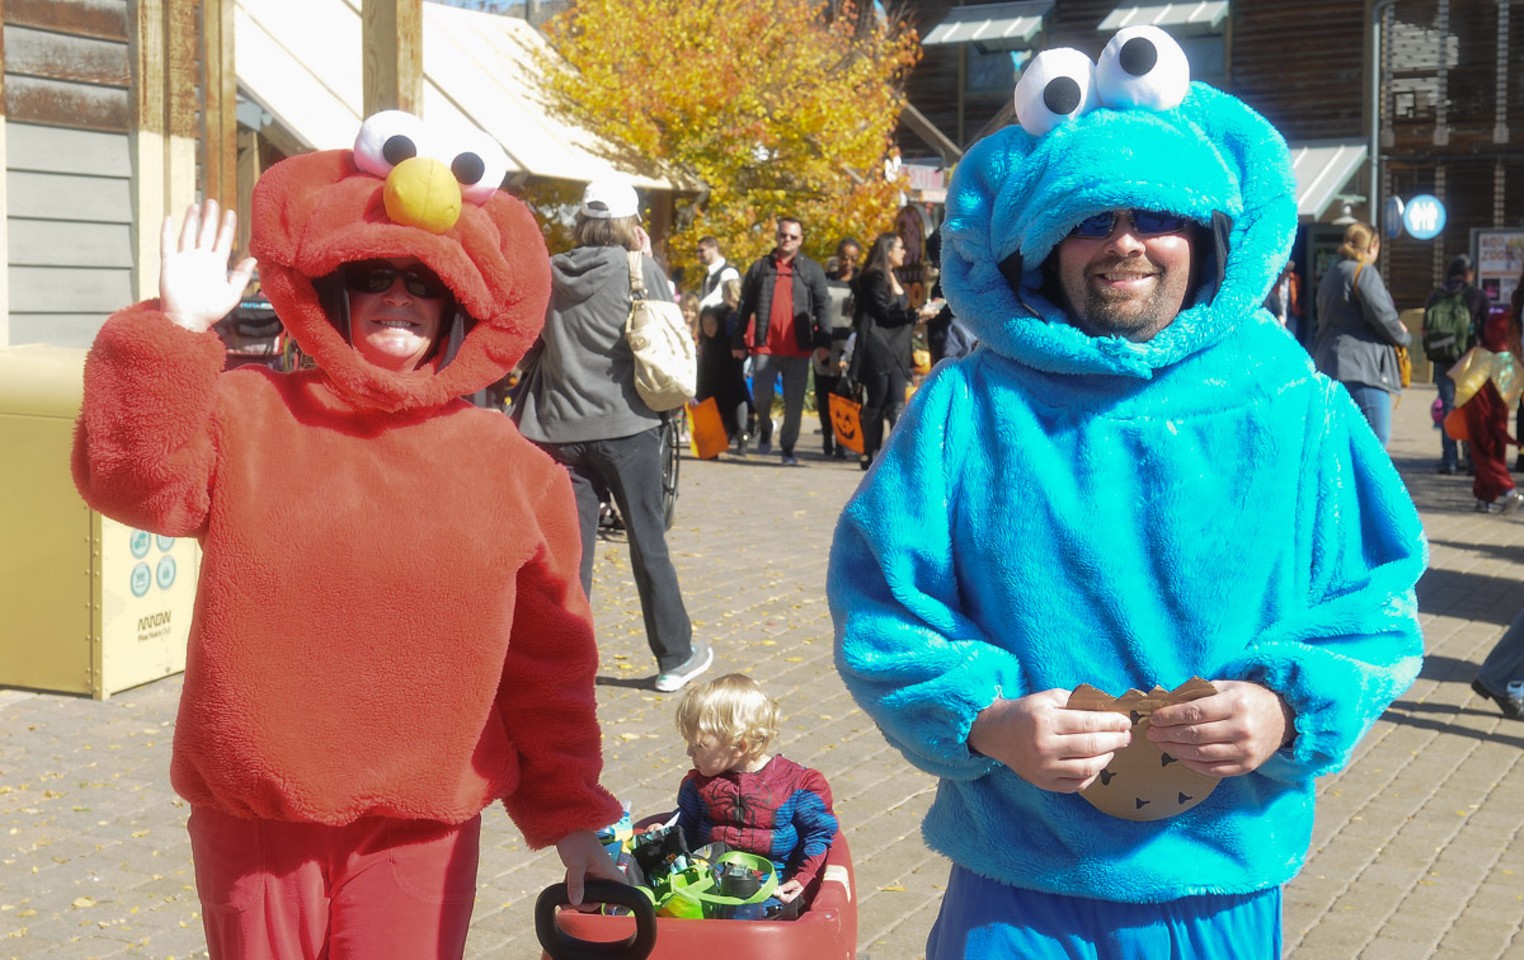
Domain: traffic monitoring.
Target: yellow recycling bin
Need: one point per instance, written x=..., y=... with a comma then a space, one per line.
x=90, y=605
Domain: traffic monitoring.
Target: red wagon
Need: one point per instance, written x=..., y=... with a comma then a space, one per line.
x=827, y=931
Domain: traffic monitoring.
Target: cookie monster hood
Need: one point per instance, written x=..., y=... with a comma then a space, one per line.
x=1131, y=132
x=404, y=192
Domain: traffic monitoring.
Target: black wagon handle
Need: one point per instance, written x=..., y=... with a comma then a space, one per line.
x=562, y=946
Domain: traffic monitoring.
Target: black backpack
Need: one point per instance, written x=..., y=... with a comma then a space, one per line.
x=1447, y=327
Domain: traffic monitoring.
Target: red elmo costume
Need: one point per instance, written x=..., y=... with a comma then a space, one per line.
x=389, y=622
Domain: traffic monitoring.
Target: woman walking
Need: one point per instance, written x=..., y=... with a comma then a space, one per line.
x=883, y=324
x=1358, y=327
x=580, y=406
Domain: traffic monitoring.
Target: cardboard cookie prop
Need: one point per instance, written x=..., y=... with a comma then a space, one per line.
x=1142, y=782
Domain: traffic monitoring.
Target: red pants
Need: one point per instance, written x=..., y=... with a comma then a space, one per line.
x=377, y=889
x=1487, y=422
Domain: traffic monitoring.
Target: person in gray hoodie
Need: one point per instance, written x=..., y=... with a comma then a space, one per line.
x=1358, y=327
x=579, y=405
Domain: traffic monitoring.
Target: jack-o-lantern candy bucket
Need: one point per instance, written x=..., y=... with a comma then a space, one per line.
x=846, y=421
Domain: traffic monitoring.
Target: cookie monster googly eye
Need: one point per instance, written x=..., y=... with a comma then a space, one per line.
x=1142, y=67
x=1056, y=87
x=388, y=138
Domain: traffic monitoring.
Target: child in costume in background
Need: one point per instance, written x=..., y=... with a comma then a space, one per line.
x=1486, y=416
x=720, y=374
x=389, y=631
x=739, y=795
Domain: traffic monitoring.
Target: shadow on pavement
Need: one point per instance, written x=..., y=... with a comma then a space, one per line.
x=1432, y=491
x=1447, y=669
x=1507, y=552
x=629, y=683
x=1403, y=712
x=1451, y=585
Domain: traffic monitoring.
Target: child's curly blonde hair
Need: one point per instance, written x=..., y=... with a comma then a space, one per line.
x=734, y=710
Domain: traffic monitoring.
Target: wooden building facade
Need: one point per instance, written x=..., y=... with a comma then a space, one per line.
x=102, y=122
x=1450, y=102
x=122, y=112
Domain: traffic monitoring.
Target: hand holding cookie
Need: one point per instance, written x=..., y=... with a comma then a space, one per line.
x=1228, y=734
x=1047, y=744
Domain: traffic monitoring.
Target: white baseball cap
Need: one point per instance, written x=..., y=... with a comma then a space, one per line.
x=610, y=198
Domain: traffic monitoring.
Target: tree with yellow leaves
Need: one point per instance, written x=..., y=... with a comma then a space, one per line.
x=781, y=107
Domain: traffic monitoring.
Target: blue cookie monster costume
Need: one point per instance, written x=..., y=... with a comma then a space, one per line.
x=1059, y=508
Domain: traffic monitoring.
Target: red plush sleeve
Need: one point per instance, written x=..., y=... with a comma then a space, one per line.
x=144, y=445
x=547, y=697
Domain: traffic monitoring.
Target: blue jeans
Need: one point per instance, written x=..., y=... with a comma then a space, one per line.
x=1376, y=404
x=1505, y=663
x=765, y=369
x=981, y=918
x=1448, y=450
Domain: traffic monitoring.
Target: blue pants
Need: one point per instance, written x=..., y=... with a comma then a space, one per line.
x=1376, y=404
x=1505, y=664
x=765, y=369
x=981, y=919
x=1448, y=454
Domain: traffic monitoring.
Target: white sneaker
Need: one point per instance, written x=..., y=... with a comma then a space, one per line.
x=1513, y=702
x=671, y=681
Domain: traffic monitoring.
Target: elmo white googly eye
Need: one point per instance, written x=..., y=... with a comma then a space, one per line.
x=1056, y=87
x=479, y=165
x=388, y=138
x=1142, y=67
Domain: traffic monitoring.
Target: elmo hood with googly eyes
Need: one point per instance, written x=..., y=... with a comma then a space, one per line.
x=403, y=191
x=1127, y=131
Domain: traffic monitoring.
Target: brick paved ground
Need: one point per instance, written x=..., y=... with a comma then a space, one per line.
x=1417, y=851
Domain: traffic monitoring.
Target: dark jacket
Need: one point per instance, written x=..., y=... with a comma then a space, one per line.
x=719, y=372
x=884, y=324
x=812, y=326
x=1476, y=302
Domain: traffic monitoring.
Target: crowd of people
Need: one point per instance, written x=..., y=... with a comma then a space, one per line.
x=848, y=327
x=1360, y=342
x=1128, y=381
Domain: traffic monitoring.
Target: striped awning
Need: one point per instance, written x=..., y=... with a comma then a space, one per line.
x=993, y=26
x=299, y=60
x=1323, y=170
x=1202, y=17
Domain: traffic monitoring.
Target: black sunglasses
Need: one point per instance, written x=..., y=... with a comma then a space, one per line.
x=1145, y=223
x=377, y=276
x=790, y=236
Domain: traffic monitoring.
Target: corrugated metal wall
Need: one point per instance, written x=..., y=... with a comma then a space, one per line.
x=935, y=87
x=1442, y=108
x=1303, y=64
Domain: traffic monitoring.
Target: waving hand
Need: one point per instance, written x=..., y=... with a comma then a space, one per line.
x=195, y=287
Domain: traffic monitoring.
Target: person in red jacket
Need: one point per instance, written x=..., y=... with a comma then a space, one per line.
x=389, y=629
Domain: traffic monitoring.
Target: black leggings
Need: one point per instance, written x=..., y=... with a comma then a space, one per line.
x=630, y=467
x=885, y=398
